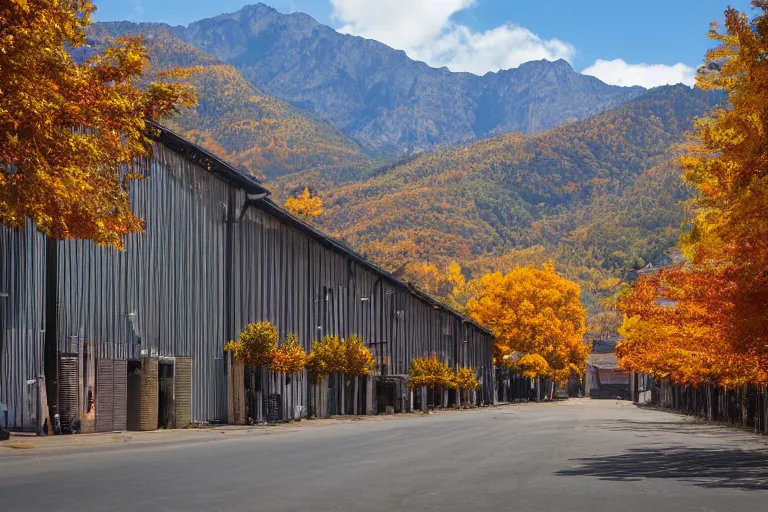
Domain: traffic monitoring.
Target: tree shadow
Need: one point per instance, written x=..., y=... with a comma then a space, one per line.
x=682, y=426
x=703, y=467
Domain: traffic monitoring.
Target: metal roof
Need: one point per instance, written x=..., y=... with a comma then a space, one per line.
x=204, y=159
x=607, y=361
x=251, y=185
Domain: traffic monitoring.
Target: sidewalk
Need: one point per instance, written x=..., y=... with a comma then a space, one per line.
x=25, y=441
x=28, y=441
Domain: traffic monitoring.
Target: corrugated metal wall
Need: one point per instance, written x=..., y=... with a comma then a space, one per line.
x=166, y=294
x=286, y=277
x=22, y=316
x=163, y=295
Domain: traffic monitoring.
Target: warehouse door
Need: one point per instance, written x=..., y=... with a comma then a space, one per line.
x=165, y=413
x=69, y=403
x=133, y=410
x=182, y=392
x=148, y=407
x=111, y=395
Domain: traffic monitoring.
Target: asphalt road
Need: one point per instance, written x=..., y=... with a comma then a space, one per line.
x=574, y=456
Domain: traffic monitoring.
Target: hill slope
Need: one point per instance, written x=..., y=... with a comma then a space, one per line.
x=385, y=100
x=240, y=123
x=599, y=196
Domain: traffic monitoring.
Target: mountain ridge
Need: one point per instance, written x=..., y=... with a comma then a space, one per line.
x=256, y=132
x=383, y=99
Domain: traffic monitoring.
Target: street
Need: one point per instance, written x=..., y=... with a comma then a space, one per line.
x=574, y=456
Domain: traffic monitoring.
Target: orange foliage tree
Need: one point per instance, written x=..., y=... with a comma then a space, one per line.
x=678, y=324
x=305, y=204
x=256, y=346
x=430, y=371
x=532, y=366
x=358, y=360
x=69, y=130
x=289, y=357
x=533, y=310
x=332, y=355
x=449, y=285
x=707, y=321
x=326, y=357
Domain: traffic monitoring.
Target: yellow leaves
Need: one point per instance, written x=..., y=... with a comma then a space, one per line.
x=70, y=128
x=430, y=371
x=728, y=155
x=358, y=358
x=305, y=204
x=466, y=379
x=257, y=343
x=532, y=366
x=707, y=321
x=333, y=355
x=533, y=311
x=258, y=346
x=290, y=357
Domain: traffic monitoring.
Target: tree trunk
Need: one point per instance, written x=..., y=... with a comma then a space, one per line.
x=357, y=398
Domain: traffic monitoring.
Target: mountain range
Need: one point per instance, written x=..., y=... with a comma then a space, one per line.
x=380, y=97
x=259, y=133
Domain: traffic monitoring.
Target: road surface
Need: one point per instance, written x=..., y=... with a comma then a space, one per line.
x=573, y=456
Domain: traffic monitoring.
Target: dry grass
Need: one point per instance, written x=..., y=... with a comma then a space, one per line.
x=15, y=444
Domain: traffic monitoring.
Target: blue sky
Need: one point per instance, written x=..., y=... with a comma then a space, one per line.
x=646, y=43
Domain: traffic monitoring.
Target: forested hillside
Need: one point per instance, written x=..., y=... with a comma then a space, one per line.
x=236, y=120
x=598, y=197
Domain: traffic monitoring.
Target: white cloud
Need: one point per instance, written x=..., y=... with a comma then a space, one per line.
x=503, y=47
x=619, y=72
x=423, y=28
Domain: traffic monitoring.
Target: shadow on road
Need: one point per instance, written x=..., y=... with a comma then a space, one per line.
x=704, y=467
x=667, y=427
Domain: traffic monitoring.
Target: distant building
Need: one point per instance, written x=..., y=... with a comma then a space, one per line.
x=605, y=379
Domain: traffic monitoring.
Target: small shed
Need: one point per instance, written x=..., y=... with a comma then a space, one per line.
x=605, y=379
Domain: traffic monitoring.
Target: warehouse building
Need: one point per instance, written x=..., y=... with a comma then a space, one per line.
x=110, y=340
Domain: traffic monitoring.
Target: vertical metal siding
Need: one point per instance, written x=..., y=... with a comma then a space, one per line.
x=163, y=295
x=22, y=315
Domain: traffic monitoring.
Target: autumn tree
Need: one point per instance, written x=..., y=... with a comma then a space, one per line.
x=533, y=310
x=706, y=321
x=305, y=204
x=532, y=366
x=447, y=284
x=289, y=358
x=466, y=380
x=70, y=131
x=327, y=357
x=727, y=164
x=431, y=372
x=256, y=346
x=358, y=360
